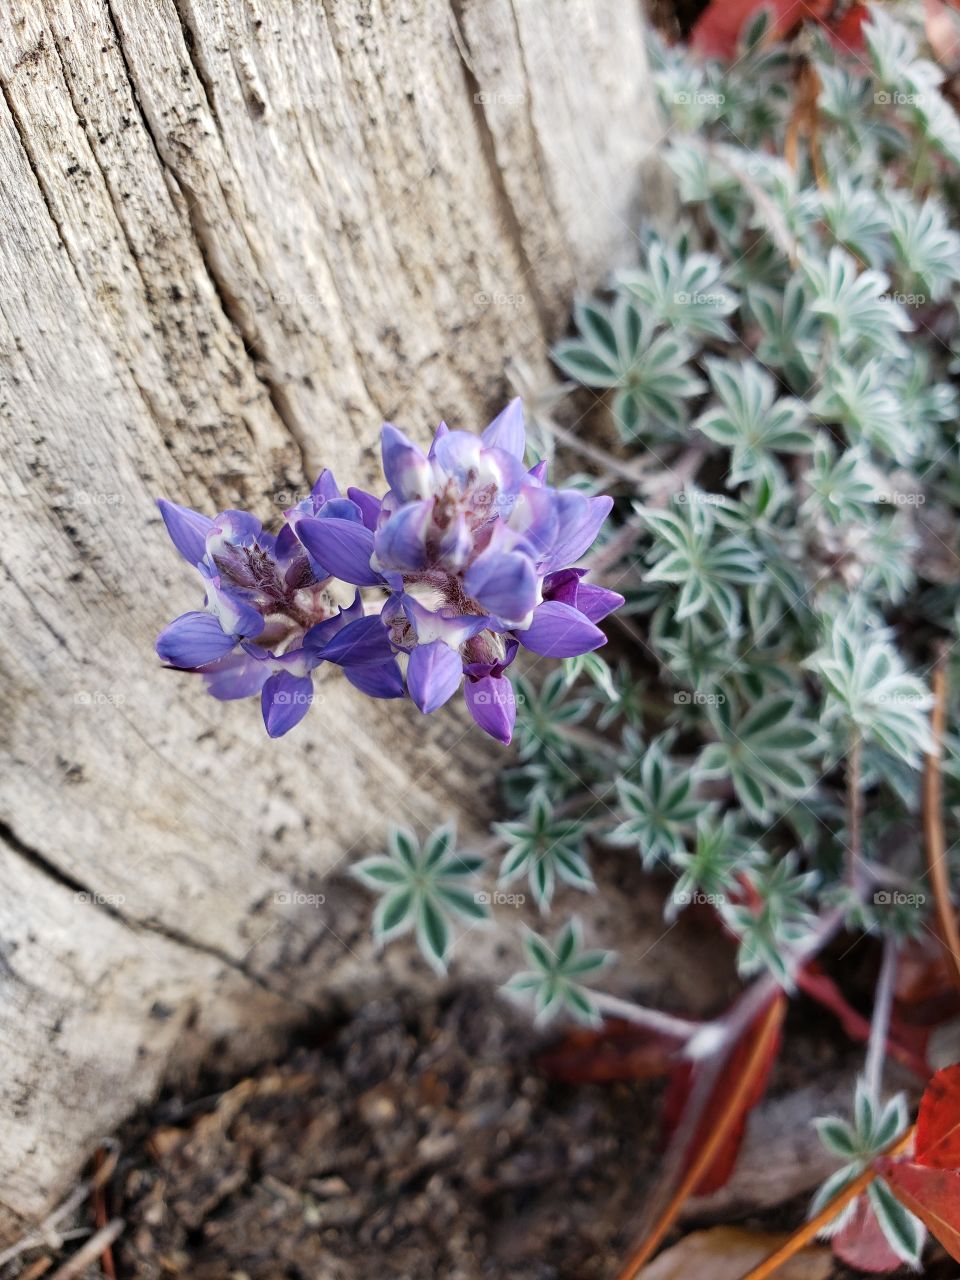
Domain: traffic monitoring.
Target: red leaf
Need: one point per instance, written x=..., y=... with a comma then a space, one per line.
x=862, y=1245
x=938, y=1122
x=718, y=28
x=682, y=1084
x=619, y=1051
x=846, y=33
x=932, y=1194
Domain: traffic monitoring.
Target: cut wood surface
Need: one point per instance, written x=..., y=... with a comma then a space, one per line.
x=235, y=236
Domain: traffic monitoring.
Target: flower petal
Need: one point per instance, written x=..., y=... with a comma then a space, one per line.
x=384, y=681
x=362, y=643
x=284, y=701
x=491, y=703
x=193, y=640
x=560, y=631
x=581, y=519
x=402, y=542
x=368, y=504
x=596, y=602
x=507, y=431
x=505, y=584
x=408, y=472
x=187, y=529
x=238, y=675
x=433, y=675
x=342, y=547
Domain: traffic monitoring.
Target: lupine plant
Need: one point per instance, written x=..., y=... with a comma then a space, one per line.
x=779, y=371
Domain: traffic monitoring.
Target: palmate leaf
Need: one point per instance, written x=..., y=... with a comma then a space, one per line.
x=544, y=848
x=927, y=249
x=423, y=888
x=658, y=805
x=707, y=566
x=555, y=979
x=749, y=419
x=869, y=690
x=685, y=291
x=841, y=486
x=858, y=220
x=765, y=752
x=545, y=717
x=855, y=305
x=789, y=330
x=774, y=919
x=863, y=401
x=711, y=870
x=619, y=347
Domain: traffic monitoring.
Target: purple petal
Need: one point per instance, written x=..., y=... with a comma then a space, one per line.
x=560, y=631
x=239, y=675
x=491, y=703
x=408, y=472
x=402, y=542
x=187, y=529
x=563, y=585
x=231, y=608
x=454, y=629
x=507, y=431
x=362, y=643
x=581, y=519
x=538, y=472
x=433, y=675
x=596, y=602
x=383, y=681
x=342, y=547
x=455, y=544
x=340, y=509
x=321, y=633
x=325, y=489
x=536, y=517
x=285, y=700
x=193, y=640
x=368, y=504
x=504, y=583
x=438, y=435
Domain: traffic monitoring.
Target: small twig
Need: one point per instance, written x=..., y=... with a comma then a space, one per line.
x=46, y=1233
x=934, y=840
x=705, y=1156
x=90, y=1252
x=811, y=1229
x=880, y=1022
x=100, y=1215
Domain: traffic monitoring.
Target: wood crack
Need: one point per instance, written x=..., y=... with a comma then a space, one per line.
x=34, y=168
x=40, y=862
x=488, y=147
x=230, y=304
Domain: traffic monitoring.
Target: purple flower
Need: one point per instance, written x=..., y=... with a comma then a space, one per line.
x=270, y=616
x=475, y=550
x=465, y=559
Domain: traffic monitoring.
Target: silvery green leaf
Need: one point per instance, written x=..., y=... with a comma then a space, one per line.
x=554, y=978
x=905, y=1234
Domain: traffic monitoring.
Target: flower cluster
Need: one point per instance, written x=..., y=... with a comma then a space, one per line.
x=466, y=559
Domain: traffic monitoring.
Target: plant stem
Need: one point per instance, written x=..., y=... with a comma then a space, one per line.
x=855, y=869
x=662, y=1023
x=934, y=840
x=880, y=1023
x=811, y=1229
x=726, y=1120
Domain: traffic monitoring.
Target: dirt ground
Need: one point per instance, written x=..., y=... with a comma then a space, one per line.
x=416, y=1141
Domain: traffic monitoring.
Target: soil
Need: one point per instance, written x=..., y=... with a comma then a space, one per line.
x=417, y=1141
